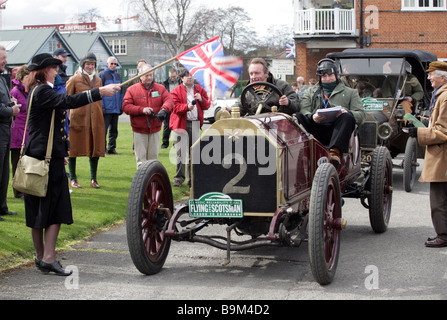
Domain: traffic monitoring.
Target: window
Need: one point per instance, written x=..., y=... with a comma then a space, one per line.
x=52, y=44
x=118, y=46
x=424, y=5
x=132, y=73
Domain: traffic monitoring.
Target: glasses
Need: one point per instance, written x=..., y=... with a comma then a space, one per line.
x=113, y=63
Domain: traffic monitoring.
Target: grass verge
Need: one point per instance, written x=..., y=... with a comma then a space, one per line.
x=93, y=209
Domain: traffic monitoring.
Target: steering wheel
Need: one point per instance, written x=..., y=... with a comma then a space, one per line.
x=258, y=97
x=365, y=88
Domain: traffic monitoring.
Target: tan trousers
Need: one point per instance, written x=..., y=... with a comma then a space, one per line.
x=146, y=146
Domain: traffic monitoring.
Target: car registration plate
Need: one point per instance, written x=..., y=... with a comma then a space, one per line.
x=215, y=205
x=371, y=104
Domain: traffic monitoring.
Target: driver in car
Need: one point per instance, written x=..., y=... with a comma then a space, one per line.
x=287, y=103
x=328, y=93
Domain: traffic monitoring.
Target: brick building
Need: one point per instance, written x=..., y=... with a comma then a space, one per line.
x=390, y=24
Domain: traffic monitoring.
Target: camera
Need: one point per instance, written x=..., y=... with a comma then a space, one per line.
x=153, y=115
x=12, y=104
x=194, y=102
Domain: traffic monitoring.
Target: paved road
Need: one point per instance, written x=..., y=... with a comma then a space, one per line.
x=393, y=265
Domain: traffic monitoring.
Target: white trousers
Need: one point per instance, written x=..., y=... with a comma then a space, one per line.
x=183, y=140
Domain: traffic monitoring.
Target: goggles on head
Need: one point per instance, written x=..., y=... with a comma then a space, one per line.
x=328, y=71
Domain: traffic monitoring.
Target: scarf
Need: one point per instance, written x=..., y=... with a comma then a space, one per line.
x=90, y=75
x=329, y=87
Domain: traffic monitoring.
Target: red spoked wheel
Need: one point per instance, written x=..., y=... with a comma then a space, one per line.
x=325, y=223
x=149, y=209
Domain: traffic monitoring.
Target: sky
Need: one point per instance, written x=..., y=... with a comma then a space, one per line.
x=31, y=12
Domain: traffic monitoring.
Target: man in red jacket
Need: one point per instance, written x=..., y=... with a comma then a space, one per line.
x=190, y=100
x=147, y=104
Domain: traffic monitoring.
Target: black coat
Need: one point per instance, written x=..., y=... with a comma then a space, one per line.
x=46, y=100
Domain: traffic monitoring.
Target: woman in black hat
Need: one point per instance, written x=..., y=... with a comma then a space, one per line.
x=45, y=215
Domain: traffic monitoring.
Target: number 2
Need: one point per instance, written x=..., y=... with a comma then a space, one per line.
x=231, y=187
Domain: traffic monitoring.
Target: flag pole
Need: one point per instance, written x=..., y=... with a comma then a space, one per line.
x=148, y=71
x=165, y=63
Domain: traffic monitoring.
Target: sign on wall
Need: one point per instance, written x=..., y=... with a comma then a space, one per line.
x=73, y=27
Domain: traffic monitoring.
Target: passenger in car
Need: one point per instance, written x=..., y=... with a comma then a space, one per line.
x=412, y=89
x=331, y=92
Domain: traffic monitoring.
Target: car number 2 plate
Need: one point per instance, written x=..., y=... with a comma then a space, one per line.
x=215, y=205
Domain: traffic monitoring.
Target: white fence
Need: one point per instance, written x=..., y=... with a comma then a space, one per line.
x=324, y=21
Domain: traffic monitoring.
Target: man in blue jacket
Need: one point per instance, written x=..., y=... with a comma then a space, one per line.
x=111, y=106
x=61, y=79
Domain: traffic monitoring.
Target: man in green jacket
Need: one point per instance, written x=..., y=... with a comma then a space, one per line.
x=330, y=92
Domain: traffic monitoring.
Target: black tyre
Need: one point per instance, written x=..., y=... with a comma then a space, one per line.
x=410, y=164
x=215, y=115
x=325, y=224
x=149, y=209
x=381, y=189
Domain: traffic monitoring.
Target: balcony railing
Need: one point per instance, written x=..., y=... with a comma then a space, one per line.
x=324, y=21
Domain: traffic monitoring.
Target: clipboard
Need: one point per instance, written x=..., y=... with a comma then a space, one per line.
x=329, y=113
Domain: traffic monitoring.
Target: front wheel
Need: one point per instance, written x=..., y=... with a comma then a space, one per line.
x=381, y=189
x=325, y=223
x=148, y=212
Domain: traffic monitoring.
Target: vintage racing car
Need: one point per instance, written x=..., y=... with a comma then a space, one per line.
x=263, y=179
x=392, y=83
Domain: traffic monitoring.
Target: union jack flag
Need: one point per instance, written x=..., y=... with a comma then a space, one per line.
x=210, y=67
x=290, y=50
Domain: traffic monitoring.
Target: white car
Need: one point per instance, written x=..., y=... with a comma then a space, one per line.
x=216, y=105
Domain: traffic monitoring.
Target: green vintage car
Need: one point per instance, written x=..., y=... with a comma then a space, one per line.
x=393, y=83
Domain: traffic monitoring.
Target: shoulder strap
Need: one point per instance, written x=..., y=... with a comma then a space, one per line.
x=50, y=137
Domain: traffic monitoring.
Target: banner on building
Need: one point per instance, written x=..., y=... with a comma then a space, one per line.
x=73, y=27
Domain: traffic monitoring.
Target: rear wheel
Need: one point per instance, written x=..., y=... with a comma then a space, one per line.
x=410, y=164
x=325, y=224
x=381, y=189
x=148, y=211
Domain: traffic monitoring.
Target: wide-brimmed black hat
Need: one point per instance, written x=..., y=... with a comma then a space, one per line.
x=42, y=60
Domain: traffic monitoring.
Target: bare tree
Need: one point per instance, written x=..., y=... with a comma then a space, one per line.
x=232, y=25
x=91, y=15
x=173, y=20
x=277, y=38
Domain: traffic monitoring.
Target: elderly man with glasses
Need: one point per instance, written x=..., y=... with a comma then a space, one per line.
x=111, y=106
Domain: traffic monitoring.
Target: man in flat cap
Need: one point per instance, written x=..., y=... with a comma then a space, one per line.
x=434, y=137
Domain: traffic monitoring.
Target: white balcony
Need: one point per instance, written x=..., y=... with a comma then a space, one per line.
x=324, y=22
